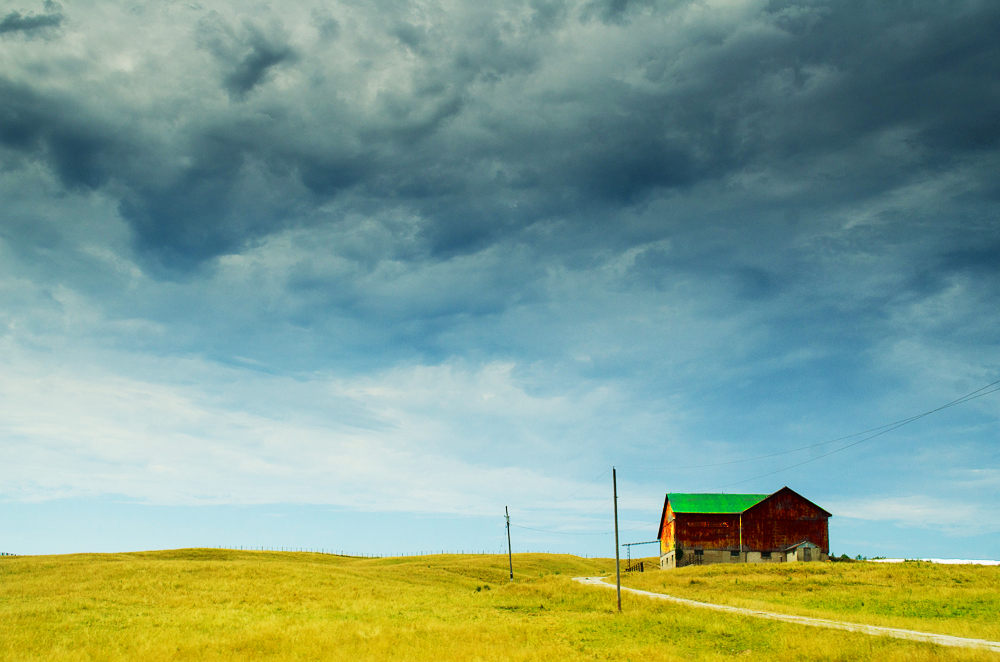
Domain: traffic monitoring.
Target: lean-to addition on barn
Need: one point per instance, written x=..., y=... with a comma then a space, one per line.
x=698, y=529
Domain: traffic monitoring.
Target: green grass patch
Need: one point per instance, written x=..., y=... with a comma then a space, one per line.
x=232, y=605
x=960, y=600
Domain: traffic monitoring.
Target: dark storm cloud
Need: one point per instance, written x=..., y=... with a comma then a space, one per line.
x=478, y=127
x=251, y=70
x=979, y=260
x=248, y=54
x=971, y=262
x=916, y=65
x=81, y=150
x=31, y=23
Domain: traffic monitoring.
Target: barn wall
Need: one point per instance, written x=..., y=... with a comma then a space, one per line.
x=783, y=520
x=708, y=531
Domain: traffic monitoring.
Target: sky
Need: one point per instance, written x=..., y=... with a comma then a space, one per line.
x=358, y=276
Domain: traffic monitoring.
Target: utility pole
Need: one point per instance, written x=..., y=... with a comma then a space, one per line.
x=510, y=553
x=618, y=564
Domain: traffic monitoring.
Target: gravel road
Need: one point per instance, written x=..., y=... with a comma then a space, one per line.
x=913, y=635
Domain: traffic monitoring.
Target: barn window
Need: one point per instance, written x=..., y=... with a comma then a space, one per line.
x=698, y=552
x=765, y=555
x=734, y=554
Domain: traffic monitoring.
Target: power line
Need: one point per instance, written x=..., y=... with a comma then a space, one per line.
x=563, y=533
x=892, y=426
x=552, y=503
x=879, y=431
x=588, y=513
x=571, y=533
x=573, y=519
x=889, y=427
x=963, y=399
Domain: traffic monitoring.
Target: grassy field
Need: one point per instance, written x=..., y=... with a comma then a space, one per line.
x=961, y=600
x=231, y=605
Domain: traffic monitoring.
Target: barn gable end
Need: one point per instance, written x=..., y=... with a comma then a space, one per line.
x=784, y=519
x=786, y=502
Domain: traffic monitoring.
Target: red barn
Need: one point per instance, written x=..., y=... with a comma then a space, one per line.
x=699, y=529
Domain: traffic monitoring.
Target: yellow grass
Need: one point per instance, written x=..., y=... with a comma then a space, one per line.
x=230, y=605
x=961, y=600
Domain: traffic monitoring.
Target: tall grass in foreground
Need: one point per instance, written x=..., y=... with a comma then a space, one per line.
x=961, y=600
x=230, y=605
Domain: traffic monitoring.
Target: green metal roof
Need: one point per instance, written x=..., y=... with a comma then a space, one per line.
x=714, y=503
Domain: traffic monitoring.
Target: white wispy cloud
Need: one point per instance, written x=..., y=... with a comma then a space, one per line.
x=956, y=516
x=442, y=439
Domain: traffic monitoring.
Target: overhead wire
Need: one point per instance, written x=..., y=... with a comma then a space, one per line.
x=573, y=519
x=563, y=533
x=552, y=503
x=892, y=426
x=575, y=533
x=963, y=399
x=566, y=498
x=879, y=431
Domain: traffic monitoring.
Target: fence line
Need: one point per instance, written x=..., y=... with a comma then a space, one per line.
x=345, y=554
x=307, y=550
x=328, y=552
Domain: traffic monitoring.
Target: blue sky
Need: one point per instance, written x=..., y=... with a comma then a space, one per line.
x=357, y=276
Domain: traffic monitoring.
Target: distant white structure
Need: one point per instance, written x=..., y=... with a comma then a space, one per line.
x=942, y=561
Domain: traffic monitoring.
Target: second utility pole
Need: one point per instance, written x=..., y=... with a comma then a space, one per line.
x=618, y=564
x=510, y=553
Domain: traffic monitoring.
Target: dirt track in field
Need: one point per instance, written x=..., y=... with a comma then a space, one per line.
x=898, y=633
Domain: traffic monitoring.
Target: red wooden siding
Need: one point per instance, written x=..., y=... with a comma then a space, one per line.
x=784, y=519
x=708, y=531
